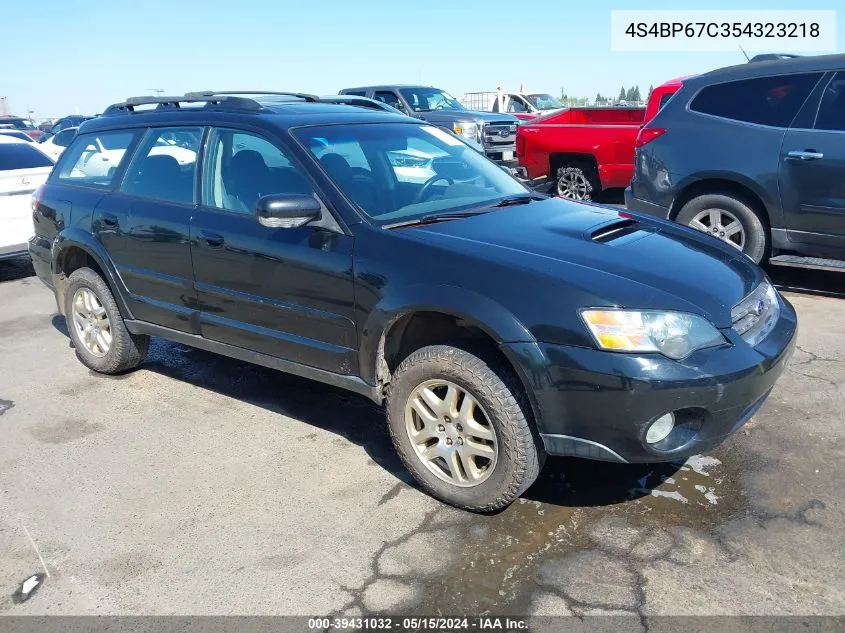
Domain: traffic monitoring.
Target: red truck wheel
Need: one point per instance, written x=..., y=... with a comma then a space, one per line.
x=577, y=182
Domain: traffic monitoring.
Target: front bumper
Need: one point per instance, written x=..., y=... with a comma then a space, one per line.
x=643, y=206
x=597, y=404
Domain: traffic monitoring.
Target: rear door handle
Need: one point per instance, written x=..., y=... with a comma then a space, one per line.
x=211, y=240
x=109, y=219
x=805, y=155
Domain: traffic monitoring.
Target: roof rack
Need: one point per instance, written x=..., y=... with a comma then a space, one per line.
x=175, y=103
x=213, y=93
x=767, y=57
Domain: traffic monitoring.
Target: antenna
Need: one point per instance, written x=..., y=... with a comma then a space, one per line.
x=157, y=91
x=747, y=58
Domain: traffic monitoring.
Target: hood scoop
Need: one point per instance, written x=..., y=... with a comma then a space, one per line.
x=618, y=232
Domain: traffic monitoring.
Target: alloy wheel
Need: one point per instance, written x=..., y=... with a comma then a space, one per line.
x=721, y=224
x=450, y=433
x=91, y=322
x=573, y=185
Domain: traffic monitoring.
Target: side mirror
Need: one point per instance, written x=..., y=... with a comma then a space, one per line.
x=286, y=210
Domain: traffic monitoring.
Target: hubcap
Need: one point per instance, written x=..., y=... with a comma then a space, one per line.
x=91, y=322
x=721, y=224
x=450, y=432
x=573, y=185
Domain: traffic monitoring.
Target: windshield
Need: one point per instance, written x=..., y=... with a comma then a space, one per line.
x=544, y=102
x=423, y=99
x=396, y=172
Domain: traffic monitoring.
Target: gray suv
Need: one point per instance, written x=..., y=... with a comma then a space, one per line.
x=755, y=156
x=493, y=132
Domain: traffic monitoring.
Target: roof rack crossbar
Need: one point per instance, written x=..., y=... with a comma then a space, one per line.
x=212, y=93
x=174, y=102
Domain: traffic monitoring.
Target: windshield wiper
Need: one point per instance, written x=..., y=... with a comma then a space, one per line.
x=431, y=218
x=522, y=198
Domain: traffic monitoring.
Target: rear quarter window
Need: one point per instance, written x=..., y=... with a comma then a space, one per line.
x=22, y=156
x=94, y=159
x=772, y=101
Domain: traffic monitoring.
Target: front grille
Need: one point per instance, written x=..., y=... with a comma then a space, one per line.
x=499, y=133
x=756, y=315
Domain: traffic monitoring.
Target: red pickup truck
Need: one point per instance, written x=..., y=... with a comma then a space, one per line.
x=586, y=150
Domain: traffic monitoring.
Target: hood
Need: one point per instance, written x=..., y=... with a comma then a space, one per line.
x=615, y=258
x=465, y=115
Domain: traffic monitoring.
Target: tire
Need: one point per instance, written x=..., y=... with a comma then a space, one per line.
x=125, y=350
x=571, y=173
x=504, y=408
x=755, y=242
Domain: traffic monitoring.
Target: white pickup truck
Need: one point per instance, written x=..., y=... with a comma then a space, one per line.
x=521, y=105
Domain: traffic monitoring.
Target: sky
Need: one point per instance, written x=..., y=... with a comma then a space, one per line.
x=63, y=58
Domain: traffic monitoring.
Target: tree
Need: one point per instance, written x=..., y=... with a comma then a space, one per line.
x=650, y=90
x=622, y=94
x=635, y=94
x=599, y=98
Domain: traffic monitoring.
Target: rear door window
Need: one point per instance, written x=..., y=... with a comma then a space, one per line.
x=22, y=156
x=93, y=159
x=831, y=114
x=772, y=101
x=165, y=166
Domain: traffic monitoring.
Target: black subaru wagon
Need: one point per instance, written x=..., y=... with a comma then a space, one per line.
x=381, y=254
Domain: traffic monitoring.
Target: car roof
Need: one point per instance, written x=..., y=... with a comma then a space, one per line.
x=8, y=138
x=281, y=110
x=813, y=63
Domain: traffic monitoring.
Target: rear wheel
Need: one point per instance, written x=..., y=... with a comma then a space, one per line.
x=460, y=423
x=577, y=181
x=729, y=218
x=96, y=327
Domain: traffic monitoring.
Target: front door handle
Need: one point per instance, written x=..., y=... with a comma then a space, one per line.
x=211, y=240
x=109, y=219
x=806, y=154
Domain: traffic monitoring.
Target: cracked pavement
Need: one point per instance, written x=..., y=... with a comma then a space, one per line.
x=203, y=485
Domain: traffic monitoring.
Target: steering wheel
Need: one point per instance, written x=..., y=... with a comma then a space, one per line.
x=425, y=192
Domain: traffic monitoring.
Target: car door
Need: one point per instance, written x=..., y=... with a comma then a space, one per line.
x=145, y=226
x=812, y=173
x=285, y=292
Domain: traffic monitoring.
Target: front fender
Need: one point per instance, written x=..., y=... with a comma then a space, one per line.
x=76, y=238
x=477, y=310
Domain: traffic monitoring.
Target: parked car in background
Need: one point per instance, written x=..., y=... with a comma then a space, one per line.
x=72, y=120
x=55, y=144
x=22, y=125
x=584, y=151
x=16, y=134
x=485, y=316
x=525, y=106
x=494, y=133
x=361, y=102
x=753, y=155
x=23, y=168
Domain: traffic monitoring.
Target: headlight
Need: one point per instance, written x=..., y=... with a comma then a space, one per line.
x=466, y=130
x=673, y=334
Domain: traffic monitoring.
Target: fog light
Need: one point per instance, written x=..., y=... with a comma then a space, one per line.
x=660, y=428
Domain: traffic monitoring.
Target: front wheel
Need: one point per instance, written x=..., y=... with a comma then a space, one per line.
x=461, y=424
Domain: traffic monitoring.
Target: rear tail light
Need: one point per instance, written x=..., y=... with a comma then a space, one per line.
x=520, y=144
x=36, y=197
x=648, y=134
